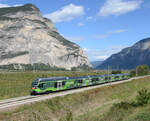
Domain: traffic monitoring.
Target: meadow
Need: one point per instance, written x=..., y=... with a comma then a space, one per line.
x=100, y=104
x=15, y=84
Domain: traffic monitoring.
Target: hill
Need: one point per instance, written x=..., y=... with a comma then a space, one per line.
x=96, y=63
x=130, y=57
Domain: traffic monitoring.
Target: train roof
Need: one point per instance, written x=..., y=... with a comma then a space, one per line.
x=52, y=78
x=81, y=77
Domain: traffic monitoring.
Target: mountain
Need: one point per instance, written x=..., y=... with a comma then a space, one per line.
x=129, y=57
x=96, y=63
x=26, y=37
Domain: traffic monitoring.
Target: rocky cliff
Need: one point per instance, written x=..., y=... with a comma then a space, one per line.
x=27, y=38
x=129, y=57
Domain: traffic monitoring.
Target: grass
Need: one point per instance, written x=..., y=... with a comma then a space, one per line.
x=127, y=113
x=14, y=84
x=93, y=105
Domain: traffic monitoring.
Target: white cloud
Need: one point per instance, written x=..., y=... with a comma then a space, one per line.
x=118, y=7
x=66, y=13
x=101, y=36
x=84, y=49
x=80, y=24
x=16, y=5
x=89, y=18
x=101, y=57
x=4, y=5
x=102, y=54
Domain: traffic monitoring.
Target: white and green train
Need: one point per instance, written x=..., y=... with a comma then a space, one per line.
x=46, y=85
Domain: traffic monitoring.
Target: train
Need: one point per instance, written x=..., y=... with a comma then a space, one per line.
x=53, y=84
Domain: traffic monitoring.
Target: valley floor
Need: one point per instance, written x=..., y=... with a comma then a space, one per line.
x=93, y=105
x=16, y=84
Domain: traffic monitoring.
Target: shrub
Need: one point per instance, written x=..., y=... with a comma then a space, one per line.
x=142, y=70
x=145, y=116
x=116, y=72
x=69, y=116
x=132, y=73
x=122, y=105
x=143, y=97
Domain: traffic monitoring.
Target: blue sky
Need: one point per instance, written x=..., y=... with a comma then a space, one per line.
x=100, y=27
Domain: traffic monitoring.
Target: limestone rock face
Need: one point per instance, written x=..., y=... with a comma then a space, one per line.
x=27, y=38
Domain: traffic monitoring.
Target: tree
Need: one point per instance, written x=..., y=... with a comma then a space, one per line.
x=116, y=72
x=132, y=73
x=142, y=70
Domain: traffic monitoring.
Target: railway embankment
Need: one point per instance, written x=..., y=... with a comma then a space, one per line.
x=90, y=105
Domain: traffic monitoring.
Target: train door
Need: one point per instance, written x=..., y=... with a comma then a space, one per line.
x=59, y=85
x=83, y=82
x=42, y=86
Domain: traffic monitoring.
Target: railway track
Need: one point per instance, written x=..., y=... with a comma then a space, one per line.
x=13, y=102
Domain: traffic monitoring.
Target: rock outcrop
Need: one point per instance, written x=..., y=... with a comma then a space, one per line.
x=27, y=38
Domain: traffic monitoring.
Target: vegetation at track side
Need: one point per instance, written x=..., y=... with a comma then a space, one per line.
x=119, y=110
x=140, y=71
x=109, y=103
x=15, y=84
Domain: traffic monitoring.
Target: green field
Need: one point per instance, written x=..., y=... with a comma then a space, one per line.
x=93, y=105
x=14, y=84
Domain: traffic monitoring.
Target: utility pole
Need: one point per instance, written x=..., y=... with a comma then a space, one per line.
x=136, y=71
x=108, y=70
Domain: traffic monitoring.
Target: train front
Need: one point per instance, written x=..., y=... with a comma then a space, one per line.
x=34, y=87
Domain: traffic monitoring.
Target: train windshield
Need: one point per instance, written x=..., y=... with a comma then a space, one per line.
x=35, y=82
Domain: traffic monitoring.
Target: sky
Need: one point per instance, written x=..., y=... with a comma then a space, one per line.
x=100, y=27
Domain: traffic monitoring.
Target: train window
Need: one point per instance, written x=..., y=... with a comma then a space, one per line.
x=63, y=83
x=116, y=77
x=40, y=85
x=34, y=84
x=50, y=84
x=109, y=78
x=79, y=81
x=106, y=78
x=95, y=79
x=55, y=84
